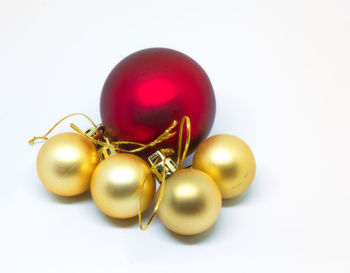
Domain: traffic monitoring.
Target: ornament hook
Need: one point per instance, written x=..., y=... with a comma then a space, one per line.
x=167, y=165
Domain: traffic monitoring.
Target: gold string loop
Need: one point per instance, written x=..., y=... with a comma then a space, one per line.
x=160, y=194
x=181, y=158
x=44, y=137
x=117, y=145
x=162, y=178
x=140, y=146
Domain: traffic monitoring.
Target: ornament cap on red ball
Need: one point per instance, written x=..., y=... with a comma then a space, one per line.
x=149, y=89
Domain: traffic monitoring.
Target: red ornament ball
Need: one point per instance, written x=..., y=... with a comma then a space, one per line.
x=149, y=89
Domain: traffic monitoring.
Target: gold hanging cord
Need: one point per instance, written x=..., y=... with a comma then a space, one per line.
x=116, y=145
x=180, y=162
x=44, y=137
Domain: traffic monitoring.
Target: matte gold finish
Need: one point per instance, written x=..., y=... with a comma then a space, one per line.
x=115, y=185
x=191, y=202
x=65, y=164
x=229, y=161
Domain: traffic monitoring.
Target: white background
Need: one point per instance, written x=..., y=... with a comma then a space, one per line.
x=281, y=73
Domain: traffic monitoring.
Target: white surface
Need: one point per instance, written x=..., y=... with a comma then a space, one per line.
x=280, y=70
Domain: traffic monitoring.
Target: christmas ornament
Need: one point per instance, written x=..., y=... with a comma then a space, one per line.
x=116, y=182
x=188, y=200
x=149, y=89
x=191, y=202
x=229, y=161
x=65, y=164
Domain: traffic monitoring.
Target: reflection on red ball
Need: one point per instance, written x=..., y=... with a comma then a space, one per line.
x=149, y=89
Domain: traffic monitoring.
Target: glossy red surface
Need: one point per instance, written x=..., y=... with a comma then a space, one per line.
x=149, y=89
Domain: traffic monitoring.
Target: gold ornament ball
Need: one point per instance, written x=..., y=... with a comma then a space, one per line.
x=65, y=164
x=191, y=202
x=115, y=185
x=229, y=161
